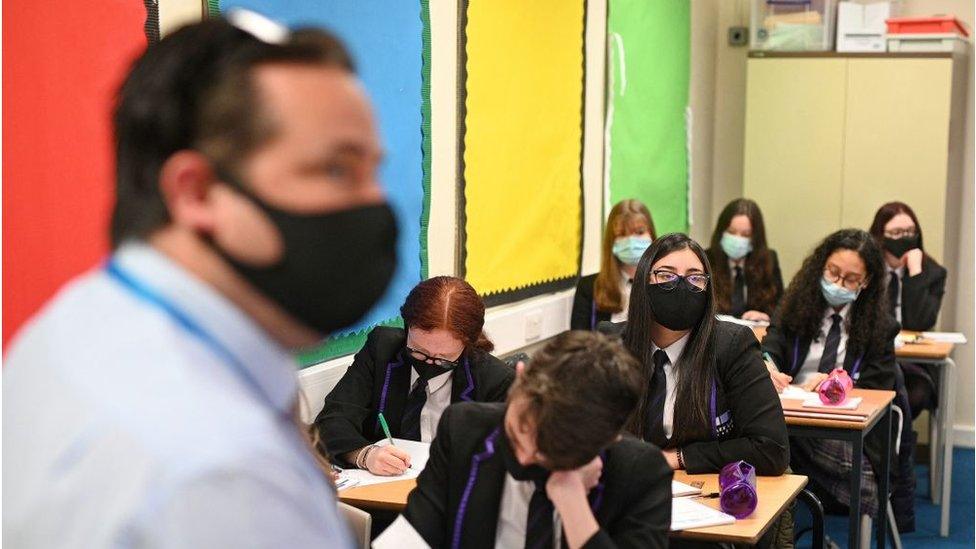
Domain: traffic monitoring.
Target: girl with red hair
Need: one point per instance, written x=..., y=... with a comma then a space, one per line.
x=411, y=375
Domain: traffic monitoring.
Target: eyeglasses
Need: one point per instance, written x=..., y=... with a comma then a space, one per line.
x=901, y=233
x=668, y=280
x=851, y=282
x=436, y=361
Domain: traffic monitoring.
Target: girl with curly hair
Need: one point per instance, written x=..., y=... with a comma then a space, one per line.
x=835, y=314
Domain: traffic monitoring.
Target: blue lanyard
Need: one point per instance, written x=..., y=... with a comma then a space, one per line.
x=190, y=326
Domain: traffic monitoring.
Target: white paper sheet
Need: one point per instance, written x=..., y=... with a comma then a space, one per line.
x=680, y=489
x=400, y=535
x=945, y=337
x=686, y=513
x=419, y=453
x=750, y=323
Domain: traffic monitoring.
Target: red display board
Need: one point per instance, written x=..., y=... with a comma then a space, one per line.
x=62, y=64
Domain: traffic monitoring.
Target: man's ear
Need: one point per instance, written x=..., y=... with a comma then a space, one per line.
x=185, y=182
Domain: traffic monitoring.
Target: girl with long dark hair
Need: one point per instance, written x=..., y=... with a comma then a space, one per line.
x=606, y=294
x=708, y=399
x=747, y=280
x=834, y=314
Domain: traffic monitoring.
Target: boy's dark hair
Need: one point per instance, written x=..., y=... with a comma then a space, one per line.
x=193, y=90
x=581, y=389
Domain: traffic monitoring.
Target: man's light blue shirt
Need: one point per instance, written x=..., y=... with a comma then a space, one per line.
x=123, y=429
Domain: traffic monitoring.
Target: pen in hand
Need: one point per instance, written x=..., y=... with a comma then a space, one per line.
x=386, y=431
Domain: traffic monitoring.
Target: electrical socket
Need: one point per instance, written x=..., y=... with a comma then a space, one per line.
x=738, y=36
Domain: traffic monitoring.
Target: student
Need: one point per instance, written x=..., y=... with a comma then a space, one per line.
x=834, y=314
x=916, y=284
x=747, y=282
x=168, y=386
x=605, y=295
x=411, y=376
x=708, y=399
x=550, y=464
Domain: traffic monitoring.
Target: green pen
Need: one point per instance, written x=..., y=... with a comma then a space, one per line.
x=768, y=358
x=386, y=431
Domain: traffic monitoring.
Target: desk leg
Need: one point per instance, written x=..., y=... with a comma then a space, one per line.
x=817, y=512
x=884, y=479
x=946, y=440
x=937, y=434
x=854, y=528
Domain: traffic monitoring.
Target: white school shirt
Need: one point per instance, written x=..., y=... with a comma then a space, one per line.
x=122, y=429
x=674, y=352
x=625, y=285
x=513, y=514
x=812, y=363
x=438, y=398
x=900, y=273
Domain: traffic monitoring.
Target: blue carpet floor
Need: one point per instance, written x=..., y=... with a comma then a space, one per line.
x=927, y=515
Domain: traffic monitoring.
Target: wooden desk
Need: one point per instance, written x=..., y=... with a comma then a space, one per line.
x=775, y=493
x=389, y=496
x=855, y=432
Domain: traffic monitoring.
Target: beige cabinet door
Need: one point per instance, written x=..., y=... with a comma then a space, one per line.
x=794, y=141
x=897, y=141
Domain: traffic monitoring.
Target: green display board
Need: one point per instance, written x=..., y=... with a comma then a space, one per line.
x=648, y=43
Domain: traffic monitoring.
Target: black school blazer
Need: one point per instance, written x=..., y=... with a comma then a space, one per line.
x=870, y=368
x=921, y=296
x=746, y=414
x=585, y=315
x=458, y=494
x=378, y=380
x=751, y=305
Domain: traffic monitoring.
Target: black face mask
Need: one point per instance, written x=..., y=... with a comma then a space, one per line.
x=678, y=309
x=900, y=246
x=424, y=370
x=335, y=265
x=535, y=473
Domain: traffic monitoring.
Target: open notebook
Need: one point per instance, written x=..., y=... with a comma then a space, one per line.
x=419, y=452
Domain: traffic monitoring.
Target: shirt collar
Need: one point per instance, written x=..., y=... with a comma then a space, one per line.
x=830, y=312
x=900, y=270
x=269, y=364
x=675, y=350
x=433, y=384
x=740, y=263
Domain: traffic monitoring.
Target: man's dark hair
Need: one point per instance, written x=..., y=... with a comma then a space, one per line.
x=194, y=90
x=581, y=389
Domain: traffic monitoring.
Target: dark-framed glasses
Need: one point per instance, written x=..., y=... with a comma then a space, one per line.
x=436, y=361
x=668, y=280
x=852, y=282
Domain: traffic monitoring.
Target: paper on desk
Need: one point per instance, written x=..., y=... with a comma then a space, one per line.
x=419, y=452
x=795, y=392
x=680, y=489
x=400, y=535
x=812, y=399
x=686, y=513
x=749, y=323
x=945, y=337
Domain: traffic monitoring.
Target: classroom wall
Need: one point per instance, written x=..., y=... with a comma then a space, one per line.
x=727, y=160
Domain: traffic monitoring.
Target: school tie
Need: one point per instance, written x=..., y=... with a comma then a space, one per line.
x=893, y=289
x=829, y=358
x=739, y=293
x=538, y=526
x=656, y=398
x=410, y=424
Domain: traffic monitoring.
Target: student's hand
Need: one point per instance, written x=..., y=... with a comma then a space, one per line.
x=755, y=316
x=387, y=461
x=780, y=380
x=913, y=261
x=574, y=482
x=671, y=456
x=813, y=382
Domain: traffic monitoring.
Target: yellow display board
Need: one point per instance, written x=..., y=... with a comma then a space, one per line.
x=522, y=145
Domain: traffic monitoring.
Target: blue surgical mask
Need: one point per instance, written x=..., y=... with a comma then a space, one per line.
x=736, y=247
x=836, y=295
x=630, y=249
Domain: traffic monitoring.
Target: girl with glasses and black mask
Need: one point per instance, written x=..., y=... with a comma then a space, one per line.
x=834, y=314
x=707, y=399
x=411, y=375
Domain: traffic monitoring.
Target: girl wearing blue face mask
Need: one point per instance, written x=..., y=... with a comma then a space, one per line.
x=835, y=314
x=748, y=283
x=606, y=294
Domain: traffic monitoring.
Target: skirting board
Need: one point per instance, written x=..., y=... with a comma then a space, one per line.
x=510, y=327
x=964, y=436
